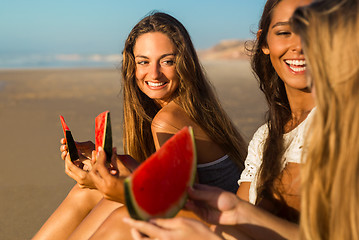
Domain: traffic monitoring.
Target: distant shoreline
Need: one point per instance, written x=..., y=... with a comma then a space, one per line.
x=75, y=67
x=232, y=49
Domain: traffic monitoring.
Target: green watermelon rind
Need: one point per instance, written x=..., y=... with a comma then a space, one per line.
x=71, y=146
x=132, y=207
x=70, y=142
x=138, y=213
x=107, y=141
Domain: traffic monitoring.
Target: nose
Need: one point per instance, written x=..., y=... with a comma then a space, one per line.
x=155, y=71
x=297, y=44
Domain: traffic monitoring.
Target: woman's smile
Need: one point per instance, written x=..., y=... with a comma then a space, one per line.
x=156, y=73
x=297, y=66
x=156, y=85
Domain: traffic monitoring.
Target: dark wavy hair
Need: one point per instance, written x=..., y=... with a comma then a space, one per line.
x=278, y=114
x=195, y=94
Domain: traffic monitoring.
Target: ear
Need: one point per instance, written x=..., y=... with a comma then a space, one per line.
x=265, y=49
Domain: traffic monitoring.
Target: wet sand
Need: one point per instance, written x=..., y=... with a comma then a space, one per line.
x=32, y=178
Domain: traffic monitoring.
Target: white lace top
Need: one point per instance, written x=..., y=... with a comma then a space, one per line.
x=293, y=144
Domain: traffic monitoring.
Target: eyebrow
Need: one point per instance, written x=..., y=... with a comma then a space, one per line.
x=162, y=56
x=280, y=24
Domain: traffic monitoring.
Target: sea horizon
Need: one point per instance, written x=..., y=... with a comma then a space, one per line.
x=59, y=60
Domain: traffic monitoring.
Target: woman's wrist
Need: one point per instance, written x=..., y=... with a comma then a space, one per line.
x=255, y=220
x=243, y=212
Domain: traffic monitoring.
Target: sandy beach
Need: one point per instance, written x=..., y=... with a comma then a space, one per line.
x=32, y=178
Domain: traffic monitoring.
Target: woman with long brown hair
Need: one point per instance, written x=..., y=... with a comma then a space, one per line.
x=271, y=177
x=164, y=89
x=192, y=102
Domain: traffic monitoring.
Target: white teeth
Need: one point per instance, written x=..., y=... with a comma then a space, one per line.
x=296, y=65
x=297, y=69
x=296, y=62
x=152, y=84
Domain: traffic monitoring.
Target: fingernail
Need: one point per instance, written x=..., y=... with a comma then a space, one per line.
x=153, y=221
x=99, y=149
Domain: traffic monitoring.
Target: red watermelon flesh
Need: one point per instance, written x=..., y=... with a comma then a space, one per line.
x=158, y=187
x=70, y=143
x=103, y=133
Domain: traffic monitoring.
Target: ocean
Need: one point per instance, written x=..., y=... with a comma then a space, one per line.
x=34, y=60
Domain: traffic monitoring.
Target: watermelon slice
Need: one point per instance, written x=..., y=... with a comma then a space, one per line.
x=158, y=187
x=103, y=133
x=70, y=143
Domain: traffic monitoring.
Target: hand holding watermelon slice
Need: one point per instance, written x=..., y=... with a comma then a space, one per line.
x=80, y=152
x=70, y=143
x=80, y=175
x=106, y=172
x=158, y=187
x=109, y=178
x=215, y=205
x=103, y=133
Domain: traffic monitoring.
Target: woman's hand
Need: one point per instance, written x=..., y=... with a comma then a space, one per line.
x=81, y=176
x=213, y=204
x=175, y=228
x=84, y=151
x=221, y=208
x=109, y=178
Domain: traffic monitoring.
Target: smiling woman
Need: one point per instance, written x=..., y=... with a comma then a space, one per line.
x=273, y=163
x=156, y=74
x=164, y=89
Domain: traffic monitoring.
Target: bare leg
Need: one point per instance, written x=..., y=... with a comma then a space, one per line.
x=94, y=219
x=78, y=203
x=230, y=232
x=114, y=228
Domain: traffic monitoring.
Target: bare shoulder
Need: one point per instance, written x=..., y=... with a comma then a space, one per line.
x=171, y=118
x=167, y=122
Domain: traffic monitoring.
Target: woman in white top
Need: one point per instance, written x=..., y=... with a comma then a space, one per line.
x=271, y=178
x=293, y=148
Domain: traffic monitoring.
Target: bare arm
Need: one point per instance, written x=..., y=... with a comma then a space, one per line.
x=260, y=224
x=243, y=191
x=234, y=215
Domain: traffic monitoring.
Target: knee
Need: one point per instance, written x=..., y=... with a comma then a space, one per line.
x=118, y=214
x=113, y=227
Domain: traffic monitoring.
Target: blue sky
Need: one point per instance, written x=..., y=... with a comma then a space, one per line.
x=101, y=26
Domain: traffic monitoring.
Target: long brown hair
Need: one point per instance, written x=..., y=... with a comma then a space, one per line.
x=278, y=114
x=330, y=178
x=195, y=94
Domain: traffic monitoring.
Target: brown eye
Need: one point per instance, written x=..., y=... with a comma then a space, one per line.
x=168, y=62
x=142, y=62
x=283, y=33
